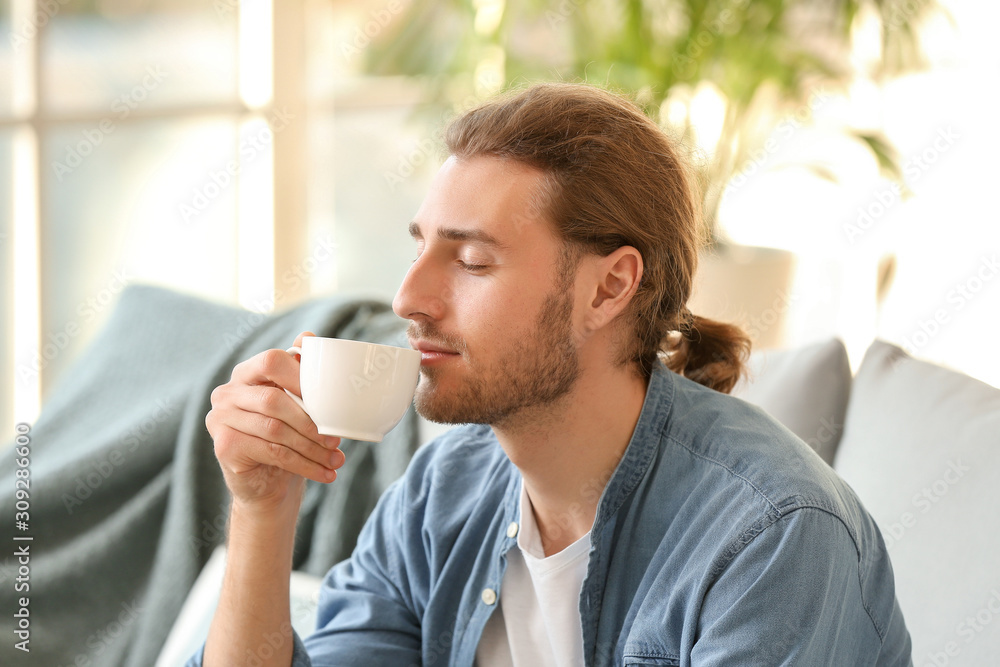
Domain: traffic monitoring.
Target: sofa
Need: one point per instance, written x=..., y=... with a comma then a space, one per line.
x=921, y=446
x=133, y=503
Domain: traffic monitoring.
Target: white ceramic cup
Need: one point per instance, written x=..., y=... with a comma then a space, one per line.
x=354, y=389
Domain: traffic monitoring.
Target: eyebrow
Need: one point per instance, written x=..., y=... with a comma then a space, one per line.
x=455, y=234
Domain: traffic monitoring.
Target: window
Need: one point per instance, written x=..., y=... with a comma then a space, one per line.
x=169, y=142
x=138, y=143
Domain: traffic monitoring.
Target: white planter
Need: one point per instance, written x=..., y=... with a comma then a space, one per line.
x=747, y=285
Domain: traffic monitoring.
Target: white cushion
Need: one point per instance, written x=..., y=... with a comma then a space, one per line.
x=921, y=447
x=806, y=389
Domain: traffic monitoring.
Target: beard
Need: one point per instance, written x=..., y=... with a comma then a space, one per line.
x=525, y=370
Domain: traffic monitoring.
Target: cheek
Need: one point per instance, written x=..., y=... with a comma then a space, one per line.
x=489, y=309
x=476, y=313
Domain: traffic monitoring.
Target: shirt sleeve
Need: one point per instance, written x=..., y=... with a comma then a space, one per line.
x=794, y=595
x=366, y=614
x=299, y=656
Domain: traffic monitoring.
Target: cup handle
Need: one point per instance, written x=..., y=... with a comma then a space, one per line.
x=295, y=349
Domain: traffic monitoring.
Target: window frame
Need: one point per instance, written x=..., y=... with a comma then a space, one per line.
x=262, y=23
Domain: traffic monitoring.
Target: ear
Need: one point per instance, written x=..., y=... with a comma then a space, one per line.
x=616, y=279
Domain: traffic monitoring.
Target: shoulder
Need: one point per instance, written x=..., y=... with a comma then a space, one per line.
x=739, y=463
x=738, y=445
x=736, y=493
x=731, y=460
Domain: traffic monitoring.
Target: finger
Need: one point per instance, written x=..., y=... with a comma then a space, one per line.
x=277, y=433
x=254, y=450
x=272, y=402
x=270, y=414
x=275, y=367
x=298, y=340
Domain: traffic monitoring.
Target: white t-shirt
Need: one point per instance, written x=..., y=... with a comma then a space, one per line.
x=538, y=619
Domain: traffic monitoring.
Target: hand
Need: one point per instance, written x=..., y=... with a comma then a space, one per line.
x=265, y=443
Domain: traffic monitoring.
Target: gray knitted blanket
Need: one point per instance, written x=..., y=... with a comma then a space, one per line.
x=127, y=501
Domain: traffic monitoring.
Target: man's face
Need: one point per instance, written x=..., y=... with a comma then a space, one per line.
x=490, y=296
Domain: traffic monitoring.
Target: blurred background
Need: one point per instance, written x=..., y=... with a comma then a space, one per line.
x=259, y=153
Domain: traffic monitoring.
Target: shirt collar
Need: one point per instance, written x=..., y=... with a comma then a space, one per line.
x=642, y=446
x=631, y=468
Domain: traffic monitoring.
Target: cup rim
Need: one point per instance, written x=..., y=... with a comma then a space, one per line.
x=321, y=339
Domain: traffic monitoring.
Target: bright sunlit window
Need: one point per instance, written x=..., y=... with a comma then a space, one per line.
x=941, y=231
x=136, y=147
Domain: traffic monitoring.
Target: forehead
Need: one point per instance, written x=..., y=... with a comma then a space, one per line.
x=505, y=198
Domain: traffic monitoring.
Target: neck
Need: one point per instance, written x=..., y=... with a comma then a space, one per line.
x=566, y=451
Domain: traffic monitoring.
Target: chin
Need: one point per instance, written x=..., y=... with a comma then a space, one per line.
x=438, y=414
x=429, y=404
x=447, y=405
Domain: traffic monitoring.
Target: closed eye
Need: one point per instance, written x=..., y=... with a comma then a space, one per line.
x=472, y=267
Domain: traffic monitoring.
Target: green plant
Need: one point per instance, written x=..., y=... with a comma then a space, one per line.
x=764, y=58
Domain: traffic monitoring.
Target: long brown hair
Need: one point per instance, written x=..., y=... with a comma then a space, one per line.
x=616, y=180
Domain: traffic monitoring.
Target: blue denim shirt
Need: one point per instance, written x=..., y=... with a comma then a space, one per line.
x=720, y=539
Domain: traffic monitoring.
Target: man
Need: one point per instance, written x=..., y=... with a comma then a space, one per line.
x=607, y=504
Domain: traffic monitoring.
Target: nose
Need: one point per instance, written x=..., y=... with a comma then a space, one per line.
x=421, y=294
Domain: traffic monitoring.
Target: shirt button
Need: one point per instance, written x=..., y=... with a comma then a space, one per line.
x=489, y=596
x=512, y=529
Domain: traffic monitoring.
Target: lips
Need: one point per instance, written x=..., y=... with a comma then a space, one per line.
x=432, y=352
x=431, y=347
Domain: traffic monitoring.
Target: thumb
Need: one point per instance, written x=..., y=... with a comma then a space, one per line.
x=298, y=339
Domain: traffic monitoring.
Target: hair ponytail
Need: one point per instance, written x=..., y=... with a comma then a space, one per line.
x=710, y=352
